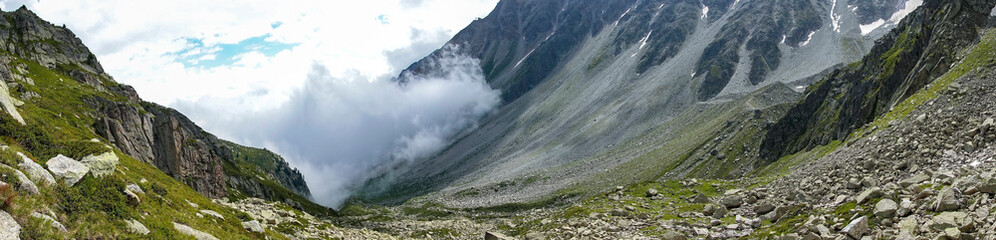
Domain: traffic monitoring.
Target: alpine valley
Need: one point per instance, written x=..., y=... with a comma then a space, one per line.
x=618, y=119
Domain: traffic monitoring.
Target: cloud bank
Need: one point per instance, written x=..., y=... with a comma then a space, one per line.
x=340, y=130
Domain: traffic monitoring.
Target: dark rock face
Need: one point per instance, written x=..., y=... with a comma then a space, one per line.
x=522, y=41
x=759, y=30
x=921, y=49
x=167, y=139
x=28, y=37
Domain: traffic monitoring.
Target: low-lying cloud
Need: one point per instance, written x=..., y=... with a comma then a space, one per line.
x=339, y=130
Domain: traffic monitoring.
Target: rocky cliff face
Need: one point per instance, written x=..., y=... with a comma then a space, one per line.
x=171, y=142
x=148, y=132
x=903, y=62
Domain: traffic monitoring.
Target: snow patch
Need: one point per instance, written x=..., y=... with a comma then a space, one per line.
x=896, y=17
x=906, y=10
x=834, y=16
x=524, y=58
x=992, y=12
x=783, y=38
x=808, y=37
x=705, y=11
x=643, y=43
x=868, y=28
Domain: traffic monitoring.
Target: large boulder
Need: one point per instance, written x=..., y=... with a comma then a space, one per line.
x=101, y=165
x=916, y=179
x=732, y=201
x=212, y=214
x=187, y=230
x=136, y=227
x=253, y=226
x=9, y=229
x=868, y=194
x=857, y=228
x=26, y=184
x=35, y=171
x=886, y=208
x=495, y=236
x=67, y=170
x=947, y=200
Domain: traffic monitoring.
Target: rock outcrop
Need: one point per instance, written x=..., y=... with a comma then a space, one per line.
x=187, y=230
x=35, y=171
x=9, y=229
x=67, y=170
x=169, y=140
x=101, y=165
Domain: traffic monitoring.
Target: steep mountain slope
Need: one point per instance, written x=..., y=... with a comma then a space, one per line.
x=922, y=167
x=87, y=155
x=589, y=88
x=904, y=62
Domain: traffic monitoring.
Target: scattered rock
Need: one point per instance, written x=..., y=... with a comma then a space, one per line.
x=764, y=208
x=618, y=212
x=720, y=212
x=67, y=170
x=9, y=229
x=101, y=165
x=213, y=214
x=651, y=192
x=952, y=233
x=857, y=228
x=732, y=201
x=253, y=226
x=673, y=236
x=853, y=183
x=35, y=171
x=495, y=236
x=886, y=208
x=868, y=194
x=55, y=224
x=905, y=207
x=135, y=188
x=917, y=179
x=133, y=198
x=947, y=200
x=947, y=220
x=26, y=184
x=136, y=227
x=187, y=230
x=700, y=198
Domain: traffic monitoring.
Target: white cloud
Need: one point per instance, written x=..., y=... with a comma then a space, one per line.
x=343, y=129
x=353, y=43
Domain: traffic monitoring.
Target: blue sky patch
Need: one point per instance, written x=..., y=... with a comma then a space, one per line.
x=198, y=55
x=383, y=19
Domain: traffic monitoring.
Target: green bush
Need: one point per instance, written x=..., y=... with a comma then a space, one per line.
x=158, y=189
x=91, y=194
x=34, y=139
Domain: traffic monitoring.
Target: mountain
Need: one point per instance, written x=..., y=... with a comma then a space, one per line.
x=593, y=88
x=90, y=156
x=895, y=142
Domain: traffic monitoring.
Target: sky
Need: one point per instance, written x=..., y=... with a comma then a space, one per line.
x=309, y=80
